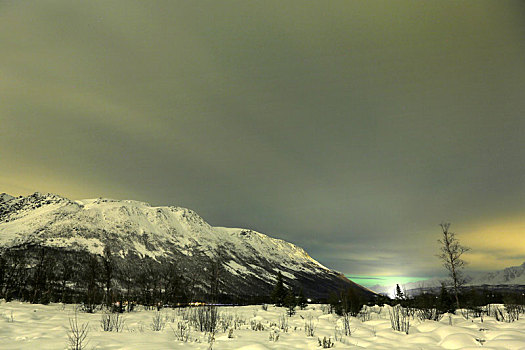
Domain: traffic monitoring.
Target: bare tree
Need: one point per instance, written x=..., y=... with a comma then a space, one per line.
x=77, y=334
x=450, y=255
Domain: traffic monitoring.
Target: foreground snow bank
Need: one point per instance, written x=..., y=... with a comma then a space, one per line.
x=32, y=326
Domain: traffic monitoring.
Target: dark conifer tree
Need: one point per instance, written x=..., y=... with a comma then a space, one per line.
x=446, y=304
x=279, y=291
x=301, y=299
x=399, y=293
x=335, y=302
x=290, y=303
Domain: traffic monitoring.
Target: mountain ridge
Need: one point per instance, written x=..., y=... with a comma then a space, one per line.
x=249, y=260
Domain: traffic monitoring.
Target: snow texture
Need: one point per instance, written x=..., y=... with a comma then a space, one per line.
x=26, y=326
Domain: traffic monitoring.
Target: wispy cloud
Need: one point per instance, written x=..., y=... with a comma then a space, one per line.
x=349, y=128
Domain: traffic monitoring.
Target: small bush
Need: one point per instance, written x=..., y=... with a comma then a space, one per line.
x=77, y=334
x=182, y=331
x=256, y=325
x=399, y=319
x=325, y=343
x=309, y=326
x=432, y=314
x=365, y=314
x=207, y=318
x=225, y=322
x=110, y=322
x=283, y=323
x=157, y=322
x=273, y=336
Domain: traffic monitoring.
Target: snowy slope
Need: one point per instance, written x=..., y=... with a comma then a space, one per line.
x=250, y=259
x=35, y=326
x=508, y=276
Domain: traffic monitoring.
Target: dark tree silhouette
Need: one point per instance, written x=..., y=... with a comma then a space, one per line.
x=290, y=303
x=279, y=291
x=450, y=255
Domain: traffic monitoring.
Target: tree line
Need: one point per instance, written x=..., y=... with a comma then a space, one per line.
x=40, y=274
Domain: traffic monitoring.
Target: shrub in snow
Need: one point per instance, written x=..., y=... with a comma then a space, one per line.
x=211, y=339
x=182, y=331
x=365, y=314
x=110, y=322
x=309, y=326
x=157, y=322
x=399, y=319
x=432, y=314
x=256, y=325
x=207, y=318
x=77, y=334
x=346, y=324
x=338, y=334
x=274, y=335
x=225, y=322
x=238, y=321
x=514, y=306
x=283, y=323
x=325, y=342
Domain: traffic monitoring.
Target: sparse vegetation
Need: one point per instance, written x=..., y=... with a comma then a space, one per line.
x=399, y=319
x=157, y=322
x=184, y=323
x=77, y=334
x=111, y=322
x=309, y=326
x=273, y=335
x=325, y=343
x=182, y=331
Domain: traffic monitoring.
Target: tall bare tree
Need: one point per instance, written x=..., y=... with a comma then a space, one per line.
x=450, y=254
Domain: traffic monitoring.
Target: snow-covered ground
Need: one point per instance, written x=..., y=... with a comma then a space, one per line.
x=33, y=326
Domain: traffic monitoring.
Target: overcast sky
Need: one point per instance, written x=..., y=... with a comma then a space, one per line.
x=350, y=128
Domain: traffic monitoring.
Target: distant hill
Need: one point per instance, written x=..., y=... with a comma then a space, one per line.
x=501, y=279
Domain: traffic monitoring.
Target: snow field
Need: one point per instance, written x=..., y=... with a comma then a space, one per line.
x=34, y=326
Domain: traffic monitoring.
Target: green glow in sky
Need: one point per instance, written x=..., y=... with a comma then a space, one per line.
x=369, y=281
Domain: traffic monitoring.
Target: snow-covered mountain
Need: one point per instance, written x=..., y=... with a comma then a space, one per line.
x=514, y=275
x=249, y=261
